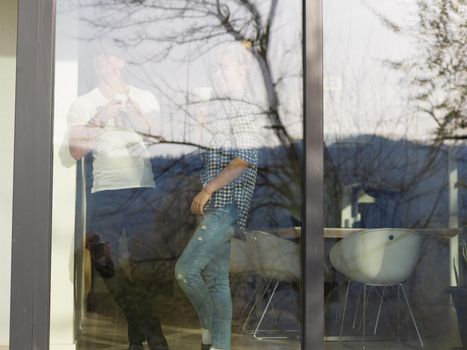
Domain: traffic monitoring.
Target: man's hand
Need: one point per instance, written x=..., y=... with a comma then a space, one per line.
x=133, y=107
x=199, y=201
x=109, y=111
x=136, y=118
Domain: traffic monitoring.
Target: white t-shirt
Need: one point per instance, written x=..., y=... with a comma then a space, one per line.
x=120, y=156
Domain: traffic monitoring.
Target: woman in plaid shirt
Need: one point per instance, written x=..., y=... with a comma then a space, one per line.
x=228, y=177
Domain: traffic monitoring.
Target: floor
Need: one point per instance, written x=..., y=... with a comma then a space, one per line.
x=104, y=327
x=105, y=333
x=387, y=346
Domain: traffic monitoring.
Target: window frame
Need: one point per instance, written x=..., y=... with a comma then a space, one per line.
x=32, y=182
x=33, y=171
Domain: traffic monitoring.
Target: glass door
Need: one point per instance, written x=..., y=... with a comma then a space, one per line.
x=177, y=189
x=395, y=170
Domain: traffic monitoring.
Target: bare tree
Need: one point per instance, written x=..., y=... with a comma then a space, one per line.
x=196, y=27
x=436, y=76
x=199, y=26
x=437, y=71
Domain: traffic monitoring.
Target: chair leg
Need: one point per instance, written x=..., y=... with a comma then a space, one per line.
x=398, y=313
x=367, y=299
x=246, y=308
x=364, y=315
x=411, y=314
x=265, y=310
x=343, y=312
x=328, y=297
x=357, y=307
x=339, y=309
x=332, y=290
x=379, y=311
x=250, y=314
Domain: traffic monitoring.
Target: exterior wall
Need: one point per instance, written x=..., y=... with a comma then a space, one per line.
x=64, y=318
x=8, y=15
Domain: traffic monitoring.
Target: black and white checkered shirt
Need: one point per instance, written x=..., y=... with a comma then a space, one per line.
x=232, y=129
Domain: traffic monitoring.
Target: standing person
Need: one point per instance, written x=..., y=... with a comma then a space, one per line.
x=228, y=177
x=112, y=122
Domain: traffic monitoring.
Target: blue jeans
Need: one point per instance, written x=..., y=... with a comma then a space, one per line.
x=203, y=273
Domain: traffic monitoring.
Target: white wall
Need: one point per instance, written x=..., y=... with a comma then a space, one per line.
x=7, y=108
x=62, y=312
x=62, y=307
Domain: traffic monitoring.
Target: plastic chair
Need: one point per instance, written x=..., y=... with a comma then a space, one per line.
x=379, y=257
x=240, y=260
x=275, y=260
x=241, y=266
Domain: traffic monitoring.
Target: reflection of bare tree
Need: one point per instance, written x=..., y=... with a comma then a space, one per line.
x=407, y=180
x=200, y=25
x=196, y=27
x=410, y=175
x=437, y=72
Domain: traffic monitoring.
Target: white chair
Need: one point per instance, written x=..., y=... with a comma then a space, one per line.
x=378, y=257
x=240, y=259
x=241, y=266
x=275, y=260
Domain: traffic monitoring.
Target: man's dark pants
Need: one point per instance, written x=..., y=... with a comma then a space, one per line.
x=130, y=212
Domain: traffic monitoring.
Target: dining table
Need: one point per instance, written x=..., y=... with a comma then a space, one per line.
x=342, y=232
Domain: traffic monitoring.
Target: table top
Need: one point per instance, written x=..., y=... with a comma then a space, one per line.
x=335, y=232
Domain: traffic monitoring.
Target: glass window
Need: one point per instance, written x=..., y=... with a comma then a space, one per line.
x=177, y=161
x=8, y=16
x=395, y=173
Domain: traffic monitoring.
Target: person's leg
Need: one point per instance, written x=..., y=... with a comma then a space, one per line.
x=210, y=238
x=142, y=240
x=107, y=222
x=216, y=275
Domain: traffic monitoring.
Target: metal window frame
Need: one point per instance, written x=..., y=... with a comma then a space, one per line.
x=33, y=170
x=32, y=184
x=313, y=195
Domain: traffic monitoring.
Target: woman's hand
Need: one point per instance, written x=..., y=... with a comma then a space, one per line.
x=199, y=201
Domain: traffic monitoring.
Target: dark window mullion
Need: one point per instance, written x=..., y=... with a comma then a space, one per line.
x=32, y=191
x=313, y=239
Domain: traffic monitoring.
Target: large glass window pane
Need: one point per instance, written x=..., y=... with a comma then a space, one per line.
x=395, y=173
x=7, y=114
x=177, y=160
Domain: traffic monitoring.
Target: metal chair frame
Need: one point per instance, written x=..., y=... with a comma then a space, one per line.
x=400, y=287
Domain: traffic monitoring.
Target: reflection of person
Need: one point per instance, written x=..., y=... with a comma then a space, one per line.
x=112, y=122
x=228, y=176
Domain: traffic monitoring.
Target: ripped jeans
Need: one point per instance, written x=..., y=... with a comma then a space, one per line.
x=203, y=273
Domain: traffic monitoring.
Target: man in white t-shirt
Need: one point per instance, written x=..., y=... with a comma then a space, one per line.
x=114, y=122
